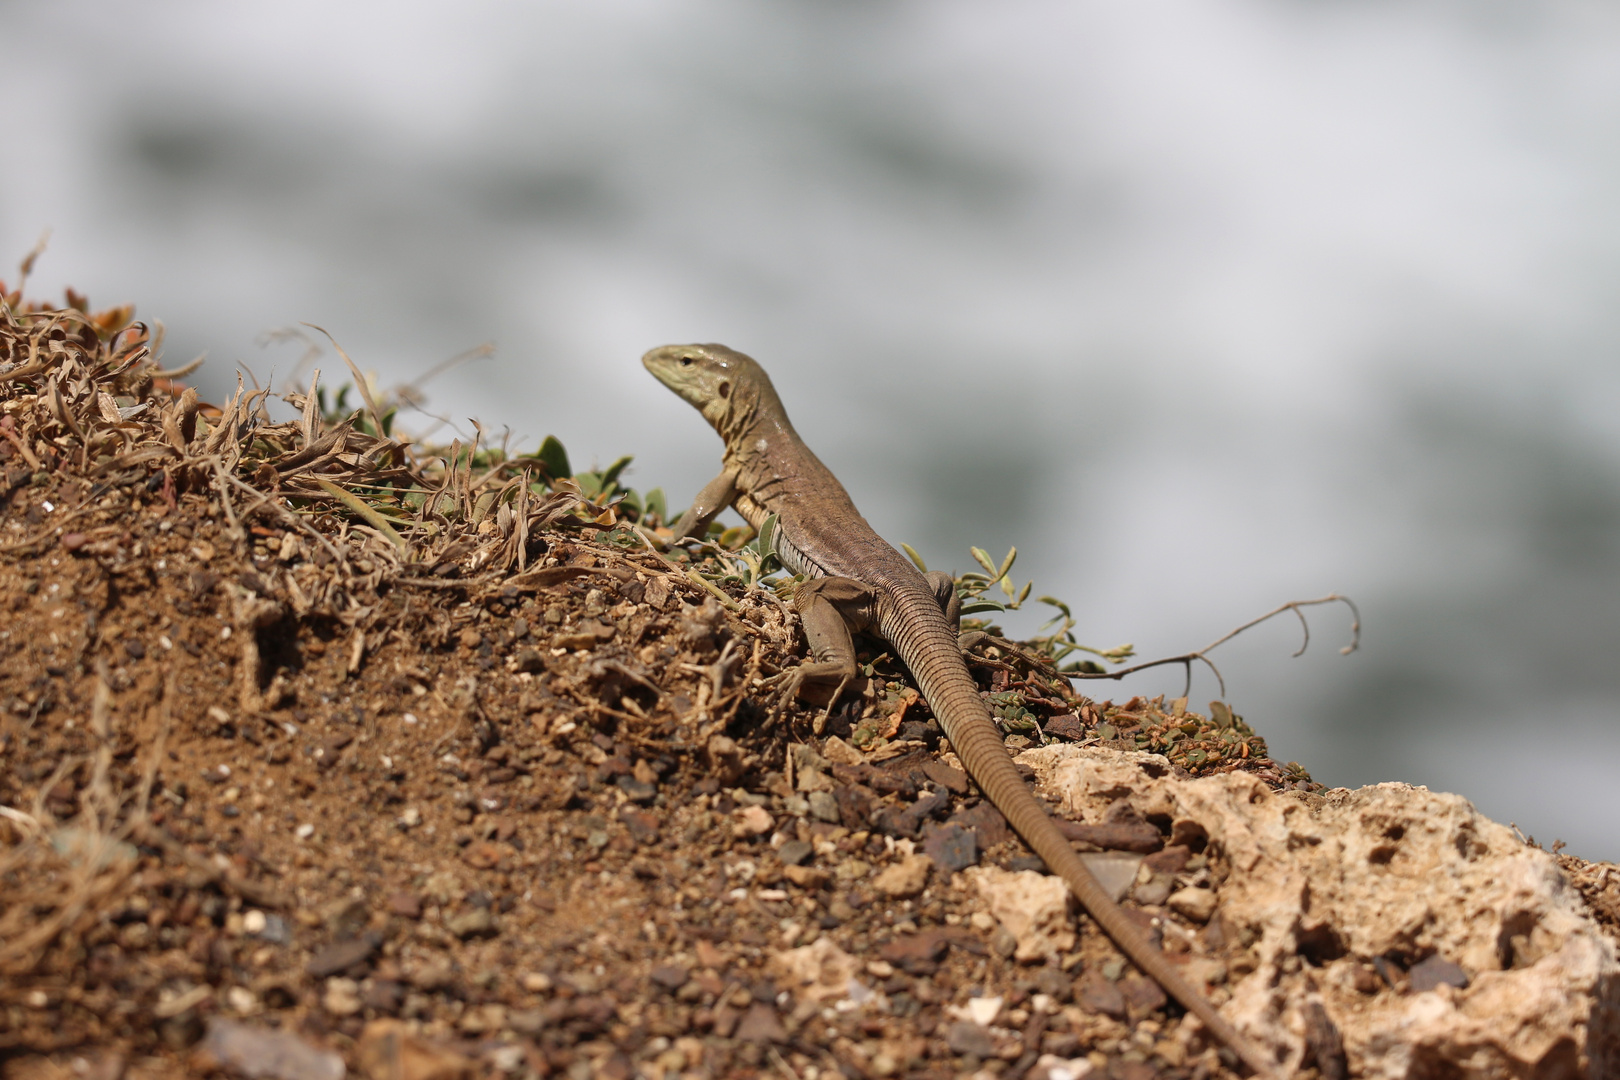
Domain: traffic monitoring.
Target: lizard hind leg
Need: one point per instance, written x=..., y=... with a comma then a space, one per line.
x=828, y=608
x=943, y=586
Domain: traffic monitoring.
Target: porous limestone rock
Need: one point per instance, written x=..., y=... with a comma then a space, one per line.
x=819, y=971
x=1312, y=889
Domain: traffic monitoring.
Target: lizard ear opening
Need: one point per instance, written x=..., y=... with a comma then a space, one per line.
x=724, y=389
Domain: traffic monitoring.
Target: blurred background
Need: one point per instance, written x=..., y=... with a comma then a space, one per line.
x=1206, y=306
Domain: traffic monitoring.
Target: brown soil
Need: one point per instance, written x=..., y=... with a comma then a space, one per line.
x=510, y=797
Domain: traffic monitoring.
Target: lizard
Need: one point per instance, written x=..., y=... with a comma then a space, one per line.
x=855, y=580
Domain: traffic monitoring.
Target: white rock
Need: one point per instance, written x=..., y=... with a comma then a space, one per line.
x=984, y=1010
x=1053, y=1067
x=242, y=1001
x=1034, y=907
x=819, y=971
x=1392, y=870
x=342, y=997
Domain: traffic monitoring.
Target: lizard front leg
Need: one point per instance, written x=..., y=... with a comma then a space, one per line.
x=716, y=495
x=829, y=607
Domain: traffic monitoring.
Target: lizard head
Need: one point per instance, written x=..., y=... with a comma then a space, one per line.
x=726, y=386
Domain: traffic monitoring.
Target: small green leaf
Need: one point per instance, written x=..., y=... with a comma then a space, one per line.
x=982, y=557
x=733, y=537
x=553, y=458
x=765, y=543
x=654, y=505
x=1017, y=720
x=590, y=484
x=867, y=669
x=973, y=607
x=1060, y=605
x=1023, y=593
x=1006, y=563
x=610, y=475
x=913, y=556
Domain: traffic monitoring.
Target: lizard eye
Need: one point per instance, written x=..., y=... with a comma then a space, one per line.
x=686, y=361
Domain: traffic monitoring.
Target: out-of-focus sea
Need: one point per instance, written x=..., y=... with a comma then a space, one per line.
x=1204, y=306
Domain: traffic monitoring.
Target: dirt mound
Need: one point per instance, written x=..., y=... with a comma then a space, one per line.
x=321, y=751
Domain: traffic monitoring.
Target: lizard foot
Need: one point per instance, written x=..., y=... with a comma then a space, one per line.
x=815, y=684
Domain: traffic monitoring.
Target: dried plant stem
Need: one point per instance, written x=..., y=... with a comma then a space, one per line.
x=1201, y=655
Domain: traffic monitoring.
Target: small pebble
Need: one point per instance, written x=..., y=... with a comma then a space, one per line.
x=753, y=821
x=794, y=852
x=1197, y=905
x=1435, y=971
x=908, y=877
x=342, y=997
x=1153, y=893
x=967, y=1038
x=478, y=922
x=405, y=904
x=824, y=807
x=241, y=1000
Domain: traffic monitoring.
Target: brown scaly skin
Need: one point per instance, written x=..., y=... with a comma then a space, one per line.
x=859, y=580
